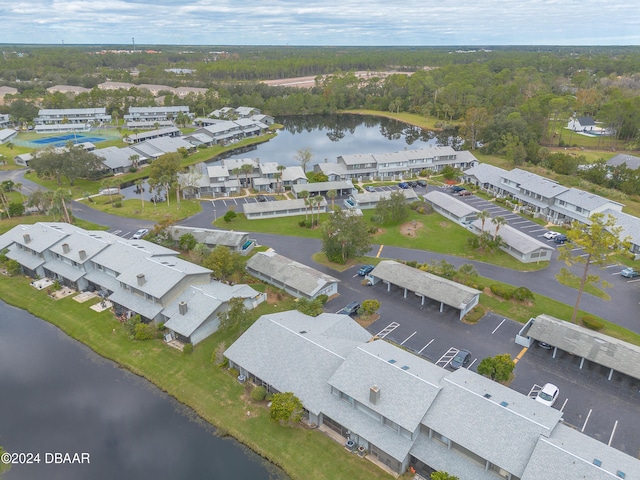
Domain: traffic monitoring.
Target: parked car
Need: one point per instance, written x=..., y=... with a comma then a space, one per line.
x=351, y=309
x=548, y=394
x=369, y=188
x=457, y=188
x=365, y=270
x=413, y=184
x=546, y=346
x=560, y=238
x=140, y=233
x=464, y=193
x=422, y=183
x=262, y=198
x=551, y=235
x=462, y=359
x=403, y=185
x=630, y=273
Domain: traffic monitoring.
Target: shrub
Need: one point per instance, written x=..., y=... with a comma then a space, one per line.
x=117, y=204
x=234, y=373
x=258, y=394
x=522, y=294
x=187, y=349
x=323, y=298
x=145, y=331
x=373, y=229
x=412, y=263
x=230, y=215
x=13, y=267
x=500, y=291
x=302, y=223
x=592, y=323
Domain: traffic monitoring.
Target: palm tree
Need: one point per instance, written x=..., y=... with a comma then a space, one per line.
x=18, y=186
x=281, y=169
x=247, y=168
x=59, y=204
x=304, y=194
x=164, y=181
x=318, y=200
x=482, y=216
x=138, y=183
x=498, y=222
x=332, y=194
x=236, y=172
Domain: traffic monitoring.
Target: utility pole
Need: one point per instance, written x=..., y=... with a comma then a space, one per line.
x=133, y=41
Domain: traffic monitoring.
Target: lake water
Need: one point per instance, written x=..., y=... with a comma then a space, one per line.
x=329, y=136
x=58, y=396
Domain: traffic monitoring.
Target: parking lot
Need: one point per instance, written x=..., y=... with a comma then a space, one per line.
x=605, y=410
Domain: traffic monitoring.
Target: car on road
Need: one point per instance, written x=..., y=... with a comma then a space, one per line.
x=630, y=273
x=551, y=235
x=365, y=270
x=548, y=394
x=422, y=183
x=140, y=233
x=350, y=309
x=457, y=189
x=403, y=185
x=560, y=239
x=461, y=359
x=369, y=188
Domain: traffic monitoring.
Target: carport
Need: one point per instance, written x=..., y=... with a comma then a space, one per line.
x=426, y=285
x=614, y=354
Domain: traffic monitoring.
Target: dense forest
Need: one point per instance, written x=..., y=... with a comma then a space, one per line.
x=509, y=101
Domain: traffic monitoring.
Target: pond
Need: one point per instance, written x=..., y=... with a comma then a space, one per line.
x=59, y=397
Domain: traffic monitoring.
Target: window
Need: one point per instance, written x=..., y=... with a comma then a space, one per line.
x=392, y=425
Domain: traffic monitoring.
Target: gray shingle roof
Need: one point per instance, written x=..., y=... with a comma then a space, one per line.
x=631, y=161
x=597, y=347
x=514, y=238
x=440, y=289
x=211, y=237
x=289, y=272
x=447, y=202
x=499, y=424
x=486, y=173
x=630, y=225
x=570, y=456
x=586, y=200
x=298, y=353
x=395, y=373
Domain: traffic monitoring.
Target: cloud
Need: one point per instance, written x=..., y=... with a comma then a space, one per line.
x=330, y=22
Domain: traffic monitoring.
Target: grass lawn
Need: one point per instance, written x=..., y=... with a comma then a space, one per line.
x=436, y=234
x=428, y=123
x=198, y=382
x=133, y=208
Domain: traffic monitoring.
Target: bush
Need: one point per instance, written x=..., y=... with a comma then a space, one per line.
x=145, y=331
x=302, y=223
x=500, y=291
x=592, y=323
x=187, y=349
x=373, y=229
x=258, y=394
x=234, y=373
x=522, y=294
x=117, y=204
x=323, y=298
x=230, y=215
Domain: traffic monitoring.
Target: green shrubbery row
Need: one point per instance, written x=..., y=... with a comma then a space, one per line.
x=521, y=294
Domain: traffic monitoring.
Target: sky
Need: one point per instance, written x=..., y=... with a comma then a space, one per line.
x=321, y=22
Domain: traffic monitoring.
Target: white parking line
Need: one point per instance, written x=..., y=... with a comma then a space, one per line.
x=613, y=431
x=471, y=364
x=402, y=343
x=117, y=232
x=563, y=405
x=422, y=349
x=586, y=420
x=387, y=330
x=523, y=221
x=499, y=325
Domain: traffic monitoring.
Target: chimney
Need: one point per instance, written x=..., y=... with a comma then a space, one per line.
x=83, y=254
x=26, y=237
x=374, y=394
x=141, y=280
x=182, y=308
x=65, y=248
